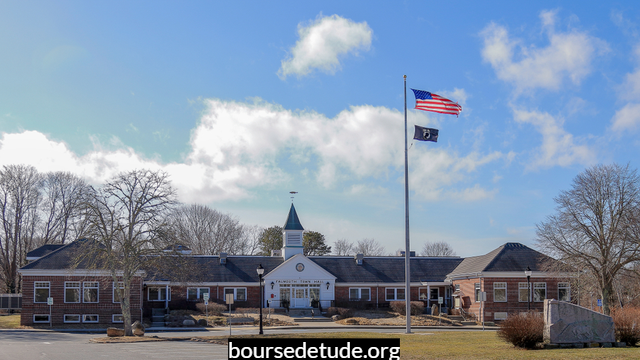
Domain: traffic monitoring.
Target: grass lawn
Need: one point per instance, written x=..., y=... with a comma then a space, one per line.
x=10, y=321
x=467, y=345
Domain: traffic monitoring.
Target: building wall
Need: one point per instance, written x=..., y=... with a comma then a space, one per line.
x=104, y=308
x=512, y=305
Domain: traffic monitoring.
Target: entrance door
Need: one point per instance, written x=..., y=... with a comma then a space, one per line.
x=301, y=297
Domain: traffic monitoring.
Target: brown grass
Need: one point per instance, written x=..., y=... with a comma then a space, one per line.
x=10, y=321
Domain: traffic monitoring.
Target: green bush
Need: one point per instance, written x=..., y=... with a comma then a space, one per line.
x=417, y=307
x=523, y=330
x=627, y=324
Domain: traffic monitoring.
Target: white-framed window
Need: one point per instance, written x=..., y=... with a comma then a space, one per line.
x=392, y=294
x=90, y=291
x=117, y=318
x=523, y=292
x=90, y=318
x=564, y=291
x=457, y=286
x=72, y=318
x=499, y=292
x=539, y=291
x=119, y=288
x=41, y=292
x=239, y=294
x=360, y=294
x=72, y=292
x=195, y=294
x=41, y=318
x=476, y=291
x=156, y=293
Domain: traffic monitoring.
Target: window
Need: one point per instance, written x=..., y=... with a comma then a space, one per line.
x=72, y=292
x=362, y=294
x=564, y=291
x=423, y=295
x=90, y=293
x=117, y=318
x=193, y=294
x=435, y=294
x=90, y=318
x=158, y=293
x=239, y=294
x=499, y=292
x=539, y=292
x=41, y=318
x=523, y=292
x=476, y=287
x=71, y=318
x=120, y=289
x=41, y=292
x=285, y=293
x=395, y=294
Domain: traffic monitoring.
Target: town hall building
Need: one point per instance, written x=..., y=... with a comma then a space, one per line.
x=511, y=276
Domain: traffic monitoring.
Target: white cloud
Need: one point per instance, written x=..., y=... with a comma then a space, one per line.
x=567, y=56
x=323, y=42
x=239, y=147
x=627, y=118
x=559, y=148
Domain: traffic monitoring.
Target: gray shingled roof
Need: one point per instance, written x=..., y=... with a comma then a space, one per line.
x=62, y=258
x=44, y=250
x=293, y=223
x=508, y=257
x=209, y=269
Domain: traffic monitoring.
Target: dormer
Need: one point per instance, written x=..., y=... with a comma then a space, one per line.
x=292, y=235
x=359, y=258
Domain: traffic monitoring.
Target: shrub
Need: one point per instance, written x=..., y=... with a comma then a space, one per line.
x=343, y=312
x=417, y=307
x=213, y=308
x=627, y=324
x=523, y=330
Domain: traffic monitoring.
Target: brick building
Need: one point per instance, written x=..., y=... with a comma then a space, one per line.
x=290, y=280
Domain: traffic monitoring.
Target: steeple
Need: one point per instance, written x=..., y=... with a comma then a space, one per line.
x=292, y=235
x=293, y=223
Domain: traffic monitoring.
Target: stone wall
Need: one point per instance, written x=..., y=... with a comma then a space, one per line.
x=566, y=323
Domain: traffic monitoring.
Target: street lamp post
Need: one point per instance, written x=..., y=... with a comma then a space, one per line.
x=260, y=271
x=528, y=273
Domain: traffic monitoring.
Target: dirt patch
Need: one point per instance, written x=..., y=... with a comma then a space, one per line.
x=388, y=318
x=126, y=339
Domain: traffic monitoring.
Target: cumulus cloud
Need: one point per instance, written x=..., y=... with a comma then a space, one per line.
x=628, y=118
x=238, y=148
x=559, y=148
x=322, y=43
x=568, y=56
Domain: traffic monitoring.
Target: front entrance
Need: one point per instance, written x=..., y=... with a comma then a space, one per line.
x=301, y=296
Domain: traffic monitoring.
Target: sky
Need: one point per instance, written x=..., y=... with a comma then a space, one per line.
x=241, y=102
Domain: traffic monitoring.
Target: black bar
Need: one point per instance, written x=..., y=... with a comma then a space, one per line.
x=314, y=348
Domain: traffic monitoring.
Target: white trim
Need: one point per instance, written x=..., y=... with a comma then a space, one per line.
x=84, y=318
x=533, y=293
x=166, y=289
x=85, y=288
x=198, y=293
x=393, y=284
x=41, y=321
x=567, y=287
x=508, y=274
x=35, y=288
x=528, y=288
x=295, y=258
x=506, y=292
x=113, y=291
x=235, y=293
x=113, y=318
x=66, y=272
x=79, y=288
x=359, y=289
x=64, y=318
x=395, y=294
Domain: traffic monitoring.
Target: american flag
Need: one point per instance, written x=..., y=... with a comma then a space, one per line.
x=431, y=102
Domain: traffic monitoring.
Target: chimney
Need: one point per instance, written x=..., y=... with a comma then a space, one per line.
x=402, y=252
x=223, y=258
x=359, y=258
x=276, y=253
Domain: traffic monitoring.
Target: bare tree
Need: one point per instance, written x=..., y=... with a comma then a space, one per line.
x=369, y=247
x=438, y=248
x=207, y=231
x=250, y=242
x=63, y=195
x=19, y=199
x=597, y=225
x=343, y=247
x=127, y=221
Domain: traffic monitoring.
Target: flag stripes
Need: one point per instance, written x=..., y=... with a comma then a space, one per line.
x=428, y=101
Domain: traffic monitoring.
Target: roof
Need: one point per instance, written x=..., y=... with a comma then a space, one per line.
x=293, y=223
x=508, y=257
x=43, y=250
x=63, y=258
x=208, y=269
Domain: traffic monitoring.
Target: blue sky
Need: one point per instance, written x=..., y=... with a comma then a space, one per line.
x=242, y=102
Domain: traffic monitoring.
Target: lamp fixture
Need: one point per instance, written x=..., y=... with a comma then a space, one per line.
x=272, y=284
x=328, y=284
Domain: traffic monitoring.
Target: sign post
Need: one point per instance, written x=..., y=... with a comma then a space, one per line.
x=440, y=301
x=483, y=298
x=205, y=297
x=50, y=303
x=229, y=300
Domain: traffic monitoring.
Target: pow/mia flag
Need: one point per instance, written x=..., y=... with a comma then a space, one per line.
x=425, y=134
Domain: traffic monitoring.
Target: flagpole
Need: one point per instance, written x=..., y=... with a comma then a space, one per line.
x=407, y=277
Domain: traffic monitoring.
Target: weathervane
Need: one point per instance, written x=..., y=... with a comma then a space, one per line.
x=293, y=193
